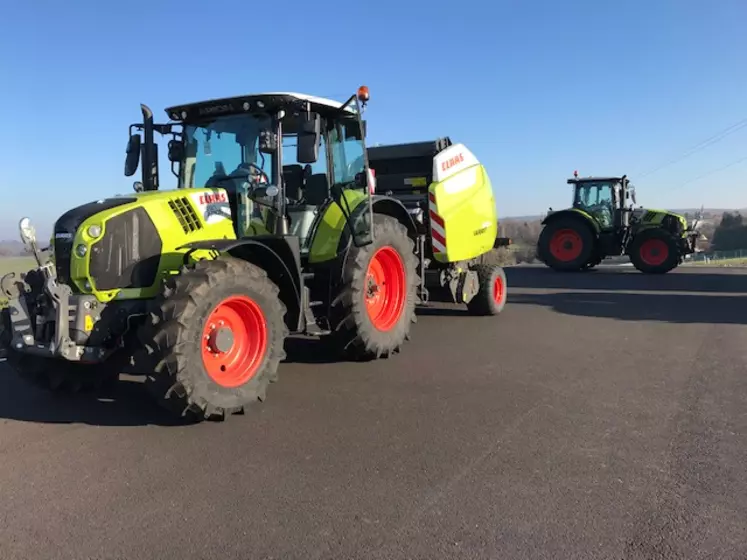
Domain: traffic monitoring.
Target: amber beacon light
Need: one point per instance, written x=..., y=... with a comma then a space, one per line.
x=363, y=95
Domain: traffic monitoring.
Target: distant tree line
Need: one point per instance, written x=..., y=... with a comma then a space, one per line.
x=730, y=234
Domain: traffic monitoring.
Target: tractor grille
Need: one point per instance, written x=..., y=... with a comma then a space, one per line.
x=128, y=254
x=185, y=213
x=67, y=226
x=649, y=216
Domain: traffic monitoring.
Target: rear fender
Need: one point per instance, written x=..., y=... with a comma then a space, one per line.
x=573, y=214
x=384, y=205
x=381, y=205
x=279, y=257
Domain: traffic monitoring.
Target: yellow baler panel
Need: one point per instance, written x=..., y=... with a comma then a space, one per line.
x=466, y=206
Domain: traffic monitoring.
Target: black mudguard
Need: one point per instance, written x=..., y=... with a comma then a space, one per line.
x=279, y=256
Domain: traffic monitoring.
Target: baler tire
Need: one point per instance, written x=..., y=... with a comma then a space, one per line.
x=492, y=293
x=353, y=330
x=175, y=343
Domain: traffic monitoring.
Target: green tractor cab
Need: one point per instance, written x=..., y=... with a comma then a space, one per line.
x=276, y=227
x=601, y=224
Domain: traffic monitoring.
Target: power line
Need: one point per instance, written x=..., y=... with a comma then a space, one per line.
x=711, y=172
x=700, y=146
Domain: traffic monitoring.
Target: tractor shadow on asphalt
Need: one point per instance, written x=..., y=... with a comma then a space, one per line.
x=685, y=279
x=309, y=350
x=124, y=404
x=669, y=308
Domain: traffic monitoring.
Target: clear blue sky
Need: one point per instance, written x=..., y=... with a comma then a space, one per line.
x=535, y=88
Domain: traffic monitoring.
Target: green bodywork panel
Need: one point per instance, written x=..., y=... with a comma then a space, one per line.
x=324, y=245
x=185, y=216
x=653, y=218
x=648, y=218
x=180, y=216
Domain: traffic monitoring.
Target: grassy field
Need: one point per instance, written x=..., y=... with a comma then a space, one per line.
x=14, y=264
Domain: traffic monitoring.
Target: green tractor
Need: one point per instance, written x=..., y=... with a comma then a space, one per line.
x=601, y=224
x=275, y=227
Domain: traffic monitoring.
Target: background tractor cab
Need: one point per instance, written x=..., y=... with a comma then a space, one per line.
x=604, y=198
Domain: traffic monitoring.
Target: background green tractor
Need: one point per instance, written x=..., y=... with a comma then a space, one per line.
x=601, y=224
x=275, y=227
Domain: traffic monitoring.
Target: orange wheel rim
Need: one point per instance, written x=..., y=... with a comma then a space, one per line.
x=499, y=290
x=566, y=245
x=385, y=290
x=654, y=252
x=234, y=341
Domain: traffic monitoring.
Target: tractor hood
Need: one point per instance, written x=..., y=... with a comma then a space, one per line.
x=650, y=216
x=120, y=243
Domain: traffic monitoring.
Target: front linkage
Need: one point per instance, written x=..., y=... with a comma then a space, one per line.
x=45, y=319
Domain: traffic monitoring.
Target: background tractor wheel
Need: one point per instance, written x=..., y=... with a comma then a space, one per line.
x=375, y=306
x=566, y=245
x=215, y=339
x=55, y=375
x=654, y=251
x=491, y=297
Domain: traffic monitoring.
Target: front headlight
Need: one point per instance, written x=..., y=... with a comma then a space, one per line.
x=81, y=250
x=27, y=231
x=94, y=231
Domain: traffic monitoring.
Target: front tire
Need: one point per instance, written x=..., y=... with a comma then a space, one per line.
x=215, y=339
x=566, y=245
x=654, y=251
x=374, y=308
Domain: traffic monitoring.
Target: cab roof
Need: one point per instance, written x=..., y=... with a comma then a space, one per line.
x=257, y=102
x=576, y=180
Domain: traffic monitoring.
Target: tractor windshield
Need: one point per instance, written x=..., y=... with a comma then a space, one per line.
x=597, y=198
x=218, y=150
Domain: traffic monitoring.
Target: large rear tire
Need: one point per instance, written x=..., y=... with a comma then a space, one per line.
x=55, y=375
x=374, y=308
x=566, y=245
x=215, y=339
x=654, y=251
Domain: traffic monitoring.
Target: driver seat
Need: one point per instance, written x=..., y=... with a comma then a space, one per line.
x=293, y=178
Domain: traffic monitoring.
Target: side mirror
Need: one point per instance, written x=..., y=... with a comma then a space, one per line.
x=176, y=151
x=133, y=155
x=309, y=135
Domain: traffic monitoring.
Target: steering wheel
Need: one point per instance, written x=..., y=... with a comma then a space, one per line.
x=243, y=171
x=246, y=167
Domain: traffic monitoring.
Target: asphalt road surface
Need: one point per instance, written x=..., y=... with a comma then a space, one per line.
x=603, y=415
